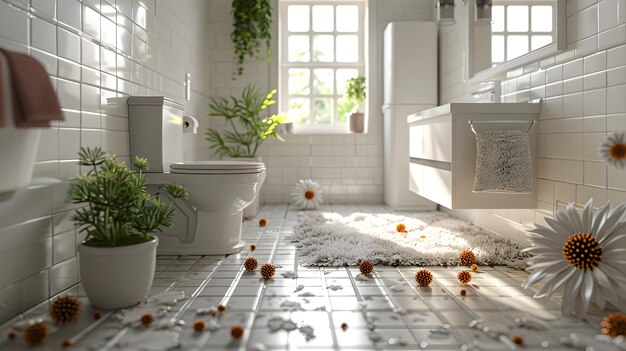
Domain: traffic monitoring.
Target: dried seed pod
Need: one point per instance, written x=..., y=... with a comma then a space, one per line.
x=475, y=268
x=199, y=326
x=467, y=257
x=463, y=292
x=147, y=319
x=252, y=247
x=614, y=324
x=67, y=343
x=64, y=309
x=401, y=228
x=267, y=271
x=262, y=222
x=464, y=277
x=366, y=267
x=12, y=335
x=518, y=340
x=36, y=333
x=97, y=315
x=250, y=264
x=424, y=277
x=236, y=331
x=344, y=326
x=221, y=308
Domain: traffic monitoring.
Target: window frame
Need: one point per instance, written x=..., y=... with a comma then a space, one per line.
x=529, y=33
x=335, y=127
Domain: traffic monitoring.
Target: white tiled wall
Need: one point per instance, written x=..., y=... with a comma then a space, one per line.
x=584, y=92
x=93, y=50
x=349, y=167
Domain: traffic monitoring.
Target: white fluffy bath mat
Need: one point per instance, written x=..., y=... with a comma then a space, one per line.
x=431, y=239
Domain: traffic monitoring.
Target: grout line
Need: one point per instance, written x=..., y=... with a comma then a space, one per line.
x=329, y=310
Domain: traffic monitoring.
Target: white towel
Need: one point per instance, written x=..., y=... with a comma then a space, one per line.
x=503, y=162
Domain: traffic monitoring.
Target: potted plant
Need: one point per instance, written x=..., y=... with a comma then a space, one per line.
x=355, y=92
x=252, y=26
x=248, y=128
x=118, y=256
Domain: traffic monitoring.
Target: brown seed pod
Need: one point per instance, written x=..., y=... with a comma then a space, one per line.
x=463, y=292
x=267, y=271
x=147, y=319
x=67, y=343
x=464, y=277
x=467, y=257
x=475, y=268
x=614, y=324
x=366, y=267
x=344, y=326
x=236, y=331
x=199, y=326
x=252, y=247
x=250, y=264
x=401, y=228
x=262, y=222
x=36, y=333
x=221, y=308
x=424, y=277
x=64, y=309
x=97, y=315
x=518, y=340
x=12, y=335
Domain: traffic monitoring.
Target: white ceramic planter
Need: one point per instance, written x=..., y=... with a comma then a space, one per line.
x=117, y=277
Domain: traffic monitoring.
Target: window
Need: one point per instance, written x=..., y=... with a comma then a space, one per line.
x=519, y=27
x=321, y=47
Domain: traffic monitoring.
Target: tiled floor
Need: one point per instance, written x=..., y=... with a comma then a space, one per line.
x=387, y=311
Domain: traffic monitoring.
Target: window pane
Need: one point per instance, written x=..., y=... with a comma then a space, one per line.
x=539, y=41
x=323, y=18
x=298, y=48
x=347, y=18
x=299, y=110
x=347, y=48
x=323, y=48
x=298, y=18
x=323, y=81
x=322, y=110
x=344, y=109
x=497, y=48
x=517, y=18
x=342, y=77
x=497, y=19
x=299, y=81
x=516, y=45
x=541, y=18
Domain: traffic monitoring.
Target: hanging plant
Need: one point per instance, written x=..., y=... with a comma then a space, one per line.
x=251, y=28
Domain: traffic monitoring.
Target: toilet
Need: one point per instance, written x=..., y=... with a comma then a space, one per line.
x=209, y=222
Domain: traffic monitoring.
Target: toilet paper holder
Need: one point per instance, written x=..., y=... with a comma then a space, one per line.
x=190, y=125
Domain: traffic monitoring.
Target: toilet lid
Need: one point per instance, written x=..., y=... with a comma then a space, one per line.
x=221, y=167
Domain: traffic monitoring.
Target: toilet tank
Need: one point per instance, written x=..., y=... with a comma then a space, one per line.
x=156, y=131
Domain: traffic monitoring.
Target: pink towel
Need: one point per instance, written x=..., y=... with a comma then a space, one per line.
x=35, y=103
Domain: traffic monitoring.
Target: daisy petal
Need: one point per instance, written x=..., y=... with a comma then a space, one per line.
x=587, y=216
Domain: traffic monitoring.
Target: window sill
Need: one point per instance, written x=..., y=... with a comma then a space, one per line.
x=322, y=130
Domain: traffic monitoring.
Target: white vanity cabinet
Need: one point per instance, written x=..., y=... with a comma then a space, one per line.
x=442, y=155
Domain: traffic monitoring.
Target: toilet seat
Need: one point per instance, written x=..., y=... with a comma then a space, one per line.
x=217, y=167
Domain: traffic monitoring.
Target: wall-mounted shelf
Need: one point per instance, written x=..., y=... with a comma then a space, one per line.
x=443, y=152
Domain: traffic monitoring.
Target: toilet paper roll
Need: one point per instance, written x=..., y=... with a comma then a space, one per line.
x=190, y=125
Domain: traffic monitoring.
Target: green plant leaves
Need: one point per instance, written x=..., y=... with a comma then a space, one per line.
x=119, y=210
x=248, y=128
x=252, y=21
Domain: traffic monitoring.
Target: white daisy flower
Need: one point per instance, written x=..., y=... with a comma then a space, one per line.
x=613, y=150
x=582, y=256
x=306, y=194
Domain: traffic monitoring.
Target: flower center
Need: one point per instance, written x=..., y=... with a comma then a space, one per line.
x=582, y=251
x=309, y=194
x=618, y=151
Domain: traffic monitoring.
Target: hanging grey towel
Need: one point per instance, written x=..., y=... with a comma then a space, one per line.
x=503, y=162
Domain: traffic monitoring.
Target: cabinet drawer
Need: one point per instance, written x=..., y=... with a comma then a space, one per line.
x=431, y=140
x=432, y=183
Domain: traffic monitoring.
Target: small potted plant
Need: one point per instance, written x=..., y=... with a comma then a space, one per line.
x=117, y=259
x=248, y=126
x=355, y=92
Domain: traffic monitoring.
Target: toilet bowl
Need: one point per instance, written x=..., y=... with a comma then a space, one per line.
x=209, y=221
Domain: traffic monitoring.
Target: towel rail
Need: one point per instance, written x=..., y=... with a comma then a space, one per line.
x=509, y=121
